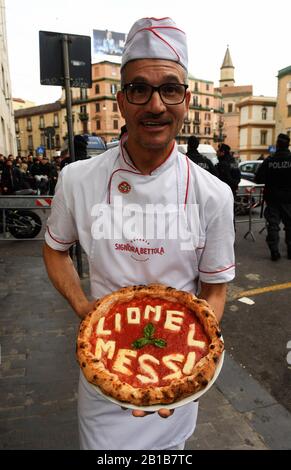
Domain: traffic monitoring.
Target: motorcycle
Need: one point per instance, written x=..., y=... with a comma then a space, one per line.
x=20, y=223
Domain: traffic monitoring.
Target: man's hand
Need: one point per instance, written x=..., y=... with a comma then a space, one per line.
x=87, y=307
x=163, y=412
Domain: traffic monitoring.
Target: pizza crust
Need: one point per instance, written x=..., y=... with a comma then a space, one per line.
x=110, y=383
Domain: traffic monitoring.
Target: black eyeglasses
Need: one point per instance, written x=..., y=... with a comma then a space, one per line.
x=141, y=93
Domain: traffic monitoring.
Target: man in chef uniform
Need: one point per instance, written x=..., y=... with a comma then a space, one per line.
x=145, y=171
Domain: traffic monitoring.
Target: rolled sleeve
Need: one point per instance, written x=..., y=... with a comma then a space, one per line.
x=217, y=262
x=61, y=232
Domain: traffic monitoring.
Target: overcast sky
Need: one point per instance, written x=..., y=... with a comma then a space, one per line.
x=257, y=31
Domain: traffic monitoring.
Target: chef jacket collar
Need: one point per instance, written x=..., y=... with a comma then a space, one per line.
x=126, y=162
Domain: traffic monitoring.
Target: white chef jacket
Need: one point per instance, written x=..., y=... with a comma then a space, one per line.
x=135, y=259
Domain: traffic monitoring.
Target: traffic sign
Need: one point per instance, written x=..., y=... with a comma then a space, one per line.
x=40, y=150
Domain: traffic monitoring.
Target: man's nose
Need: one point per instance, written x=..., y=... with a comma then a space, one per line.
x=156, y=104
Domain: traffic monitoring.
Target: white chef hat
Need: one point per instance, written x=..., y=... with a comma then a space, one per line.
x=156, y=38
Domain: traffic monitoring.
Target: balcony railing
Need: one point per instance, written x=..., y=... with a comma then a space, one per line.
x=83, y=116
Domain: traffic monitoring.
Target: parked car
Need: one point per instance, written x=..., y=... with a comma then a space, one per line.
x=204, y=149
x=248, y=169
x=95, y=145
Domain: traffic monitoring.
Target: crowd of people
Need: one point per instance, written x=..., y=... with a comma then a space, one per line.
x=38, y=174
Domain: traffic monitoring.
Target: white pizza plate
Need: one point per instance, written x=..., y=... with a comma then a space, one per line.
x=171, y=406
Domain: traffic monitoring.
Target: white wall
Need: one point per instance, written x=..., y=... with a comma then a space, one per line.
x=243, y=138
x=244, y=114
x=7, y=126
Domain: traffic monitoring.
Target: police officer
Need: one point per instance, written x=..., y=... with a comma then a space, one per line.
x=227, y=168
x=196, y=157
x=275, y=173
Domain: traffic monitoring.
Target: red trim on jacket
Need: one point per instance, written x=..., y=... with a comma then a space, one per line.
x=58, y=241
x=215, y=272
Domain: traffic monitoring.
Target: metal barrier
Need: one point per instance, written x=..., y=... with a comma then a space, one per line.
x=32, y=203
x=247, y=199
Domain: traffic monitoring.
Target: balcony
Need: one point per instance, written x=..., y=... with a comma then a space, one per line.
x=83, y=116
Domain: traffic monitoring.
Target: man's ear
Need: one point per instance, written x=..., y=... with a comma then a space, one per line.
x=120, y=100
x=187, y=98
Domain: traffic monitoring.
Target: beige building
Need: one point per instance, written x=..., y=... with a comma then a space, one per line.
x=204, y=112
x=7, y=129
x=283, y=109
x=231, y=96
x=256, y=127
x=105, y=117
x=30, y=124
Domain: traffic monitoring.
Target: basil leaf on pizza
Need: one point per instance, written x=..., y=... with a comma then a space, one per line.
x=149, y=345
x=141, y=342
x=148, y=339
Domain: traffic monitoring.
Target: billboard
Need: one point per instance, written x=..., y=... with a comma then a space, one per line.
x=107, y=42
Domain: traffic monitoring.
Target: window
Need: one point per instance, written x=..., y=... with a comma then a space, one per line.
x=195, y=100
x=114, y=107
x=264, y=113
x=229, y=108
x=263, y=137
x=207, y=101
x=97, y=107
x=196, y=117
x=41, y=122
x=207, y=130
x=83, y=109
x=56, y=120
x=97, y=89
x=30, y=142
x=98, y=125
x=289, y=111
x=196, y=86
x=113, y=88
x=58, y=141
x=113, y=71
x=196, y=130
x=207, y=86
x=16, y=126
x=28, y=124
x=18, y=142
x=115, y=123
x=42, y=140
x=83, y=93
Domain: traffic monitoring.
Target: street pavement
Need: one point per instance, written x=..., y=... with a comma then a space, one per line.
x=248, y=407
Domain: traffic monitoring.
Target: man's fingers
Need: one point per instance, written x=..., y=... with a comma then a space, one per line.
x=141, y=414
x=164, y=413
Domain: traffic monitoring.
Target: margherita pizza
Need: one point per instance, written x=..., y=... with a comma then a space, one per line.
x=149, y=345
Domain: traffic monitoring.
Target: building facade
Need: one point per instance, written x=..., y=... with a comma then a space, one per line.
x=95, y=111
x=256, y=126
x=7, y=129
x=231, y=95
x=283, y=109
x=204, y=113
x=30, y=125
